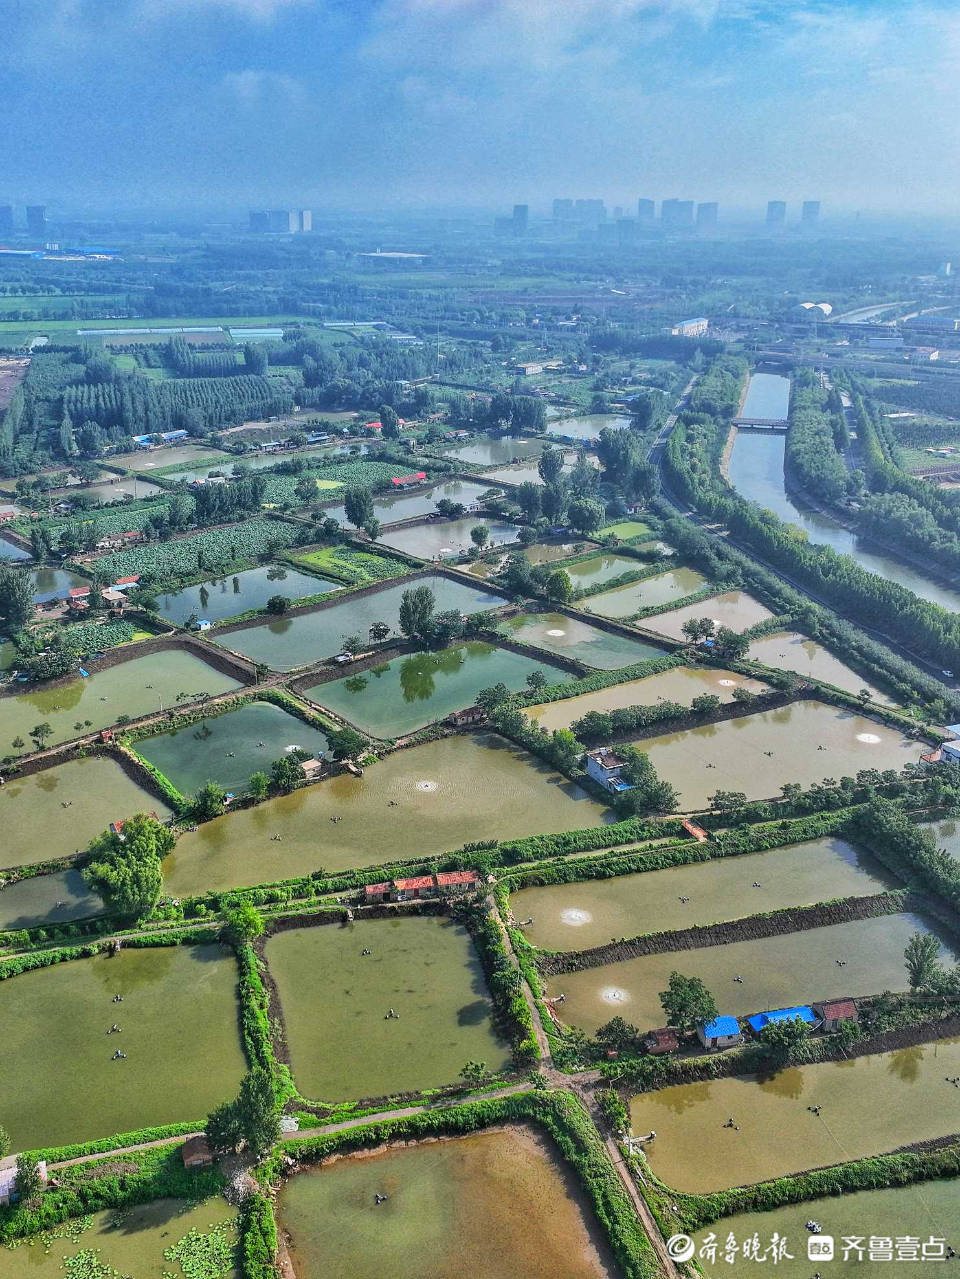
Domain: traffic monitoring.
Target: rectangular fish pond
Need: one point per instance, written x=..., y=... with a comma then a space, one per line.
x=137, y=687
x=58, y=811
x=228, y=748
x=178, y=1028
x=405, y=694
x=870, y=1105
x=624, y=601
x=735, y=609
x=342, y=1042
x=593, y=912
x=499, y=1203
x=47, y=900
x=788, y=651
x=388, y=508
x=230, y=596
x=803, y=742
x=413, y=803
x=569, y=637
x=776, y=972
x=448, y=539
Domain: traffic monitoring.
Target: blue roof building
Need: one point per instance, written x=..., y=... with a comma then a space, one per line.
x=722, y=1032
x=759, y=1020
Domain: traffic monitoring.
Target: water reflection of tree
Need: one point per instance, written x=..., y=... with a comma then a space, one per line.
x=905, y=1064
x=355, y=684
x=417, y=683
x=785, y=1083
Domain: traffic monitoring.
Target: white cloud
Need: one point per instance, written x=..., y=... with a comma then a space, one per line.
x=259, y=87
x=258, y=10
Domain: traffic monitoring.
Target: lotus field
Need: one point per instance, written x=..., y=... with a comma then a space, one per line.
x=213, y=550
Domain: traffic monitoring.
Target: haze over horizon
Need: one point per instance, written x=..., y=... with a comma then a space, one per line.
x=476, y=103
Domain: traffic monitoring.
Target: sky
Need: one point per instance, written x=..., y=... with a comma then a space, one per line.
x=360, y=104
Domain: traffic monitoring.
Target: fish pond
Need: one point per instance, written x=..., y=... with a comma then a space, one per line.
x=228, y=748
x=776, y=972
x=498, y=1203
x=588, y=426
x=342, y=1041
x=47, y=900
x=12, y=550
x=402, y=695
x=57, y=812
x=947, y=835
x=119, y=488
x=681, y=684
x=178, y=1029
x=182, y=454
x=756, y=754
x=929, y=1210
x=290, y=642
x=870, y=1105
x=569, y=637
x=593, y=912
x=662, y=588
x=413, y=803
x=137, y=687
x=596, y=569
x=735, y=609
x=445, y=539
x=788, y=651
x=391, y=507
x=164, y=1239
x=496, y=452
x=228, y=596
x=54, y=583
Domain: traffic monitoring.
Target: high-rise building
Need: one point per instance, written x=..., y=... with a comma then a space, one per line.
x=676, y=215
x=646, y=211
x=305, y=220
x=280, y=221
x=776, y=212
x=6, y=219
x=810, y=213
x=37, y=219
x=590, y=212
x=707, y=215
x=521, y=218
x=563, y=210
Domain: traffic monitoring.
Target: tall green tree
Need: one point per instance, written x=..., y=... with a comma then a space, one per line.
x=416, y=612
x=125, y=866
x=16, y=597
x=358, y=505
x=687, y=1003
x=921, y=955
x=209, y=802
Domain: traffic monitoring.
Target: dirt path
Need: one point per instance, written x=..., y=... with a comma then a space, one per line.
x=126, y=1150
x=404, y=1112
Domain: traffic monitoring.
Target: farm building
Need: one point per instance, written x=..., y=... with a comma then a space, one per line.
x=604, y=766
x=8, y=1178
x=722, y=1032
x=759, y=1021
x=454, y=882
x=470, y=715
x=664, y=1040
x=196, y=1153
x=835, y=1012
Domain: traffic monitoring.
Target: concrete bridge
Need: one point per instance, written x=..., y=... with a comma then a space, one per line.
x=763, y=423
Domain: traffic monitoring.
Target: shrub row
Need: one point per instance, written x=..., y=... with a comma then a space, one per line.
x=503, y=980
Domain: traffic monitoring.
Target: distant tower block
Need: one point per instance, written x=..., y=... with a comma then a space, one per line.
x=776, y=212
x=646, y=211
x=810, y=213
x=707, y=215
x=37, y=220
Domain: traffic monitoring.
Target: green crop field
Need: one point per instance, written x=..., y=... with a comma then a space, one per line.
x=216, y=549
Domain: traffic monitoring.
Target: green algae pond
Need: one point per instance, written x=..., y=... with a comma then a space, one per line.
x=803, y=742
x=290, y=642
x=445, y=539
x=341, y=1041
x=47, y=900
x=926, y=1211
x=178, y=1027
x=569, y=637
x=870, y=1105
x=228, y=748
x=164, y=1239
x=499, y=1204
x=85, y=705
x=735, y=609
x=409, y=692
x=413, y=803
x=662, y=588
x=95, y=790
x=776, y=972
x=229, y=596
x=681, y=684
x=592, y=912
x=789, y=651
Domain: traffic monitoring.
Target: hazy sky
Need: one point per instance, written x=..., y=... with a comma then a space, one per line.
x=425, y=102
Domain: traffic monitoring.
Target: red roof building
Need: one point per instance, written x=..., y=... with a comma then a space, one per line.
x=836, y=1011
x=377, y=892
x=457, y=881
x=78, y=592
x=413, y=889
x=665, y=1040
x=127, y=581
x=404, y=481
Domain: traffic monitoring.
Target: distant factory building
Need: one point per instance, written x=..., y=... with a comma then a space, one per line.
x=776, y=212
x=694, y=328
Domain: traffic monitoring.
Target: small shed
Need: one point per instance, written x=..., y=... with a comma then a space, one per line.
x=196, y=1153
x=664, y=1040
x=722, y=1032
x=835, y=1012
x=469, y=715
x=375, y=893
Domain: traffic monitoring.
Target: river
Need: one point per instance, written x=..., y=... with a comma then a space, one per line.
x=756, y=472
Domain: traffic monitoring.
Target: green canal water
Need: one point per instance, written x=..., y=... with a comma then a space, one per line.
x=400, y=696
x=735, y=609
x=927, y=1211
x=733, y=755
x=624, y=601
x=178, y=1027
x=342, y=1043
x=788, y=651
x=130, y=1240
x=228, y=748
x=447, y=538
x=870, y=1105
x=570, y=637
x=496, y=1204
x=229, y=596
x=594, y=912
x=134, y=688
x=34, y=816
x=777, y=972
x=681, y=684
x=290, y=642
x=414, y=803
x=47, y=900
